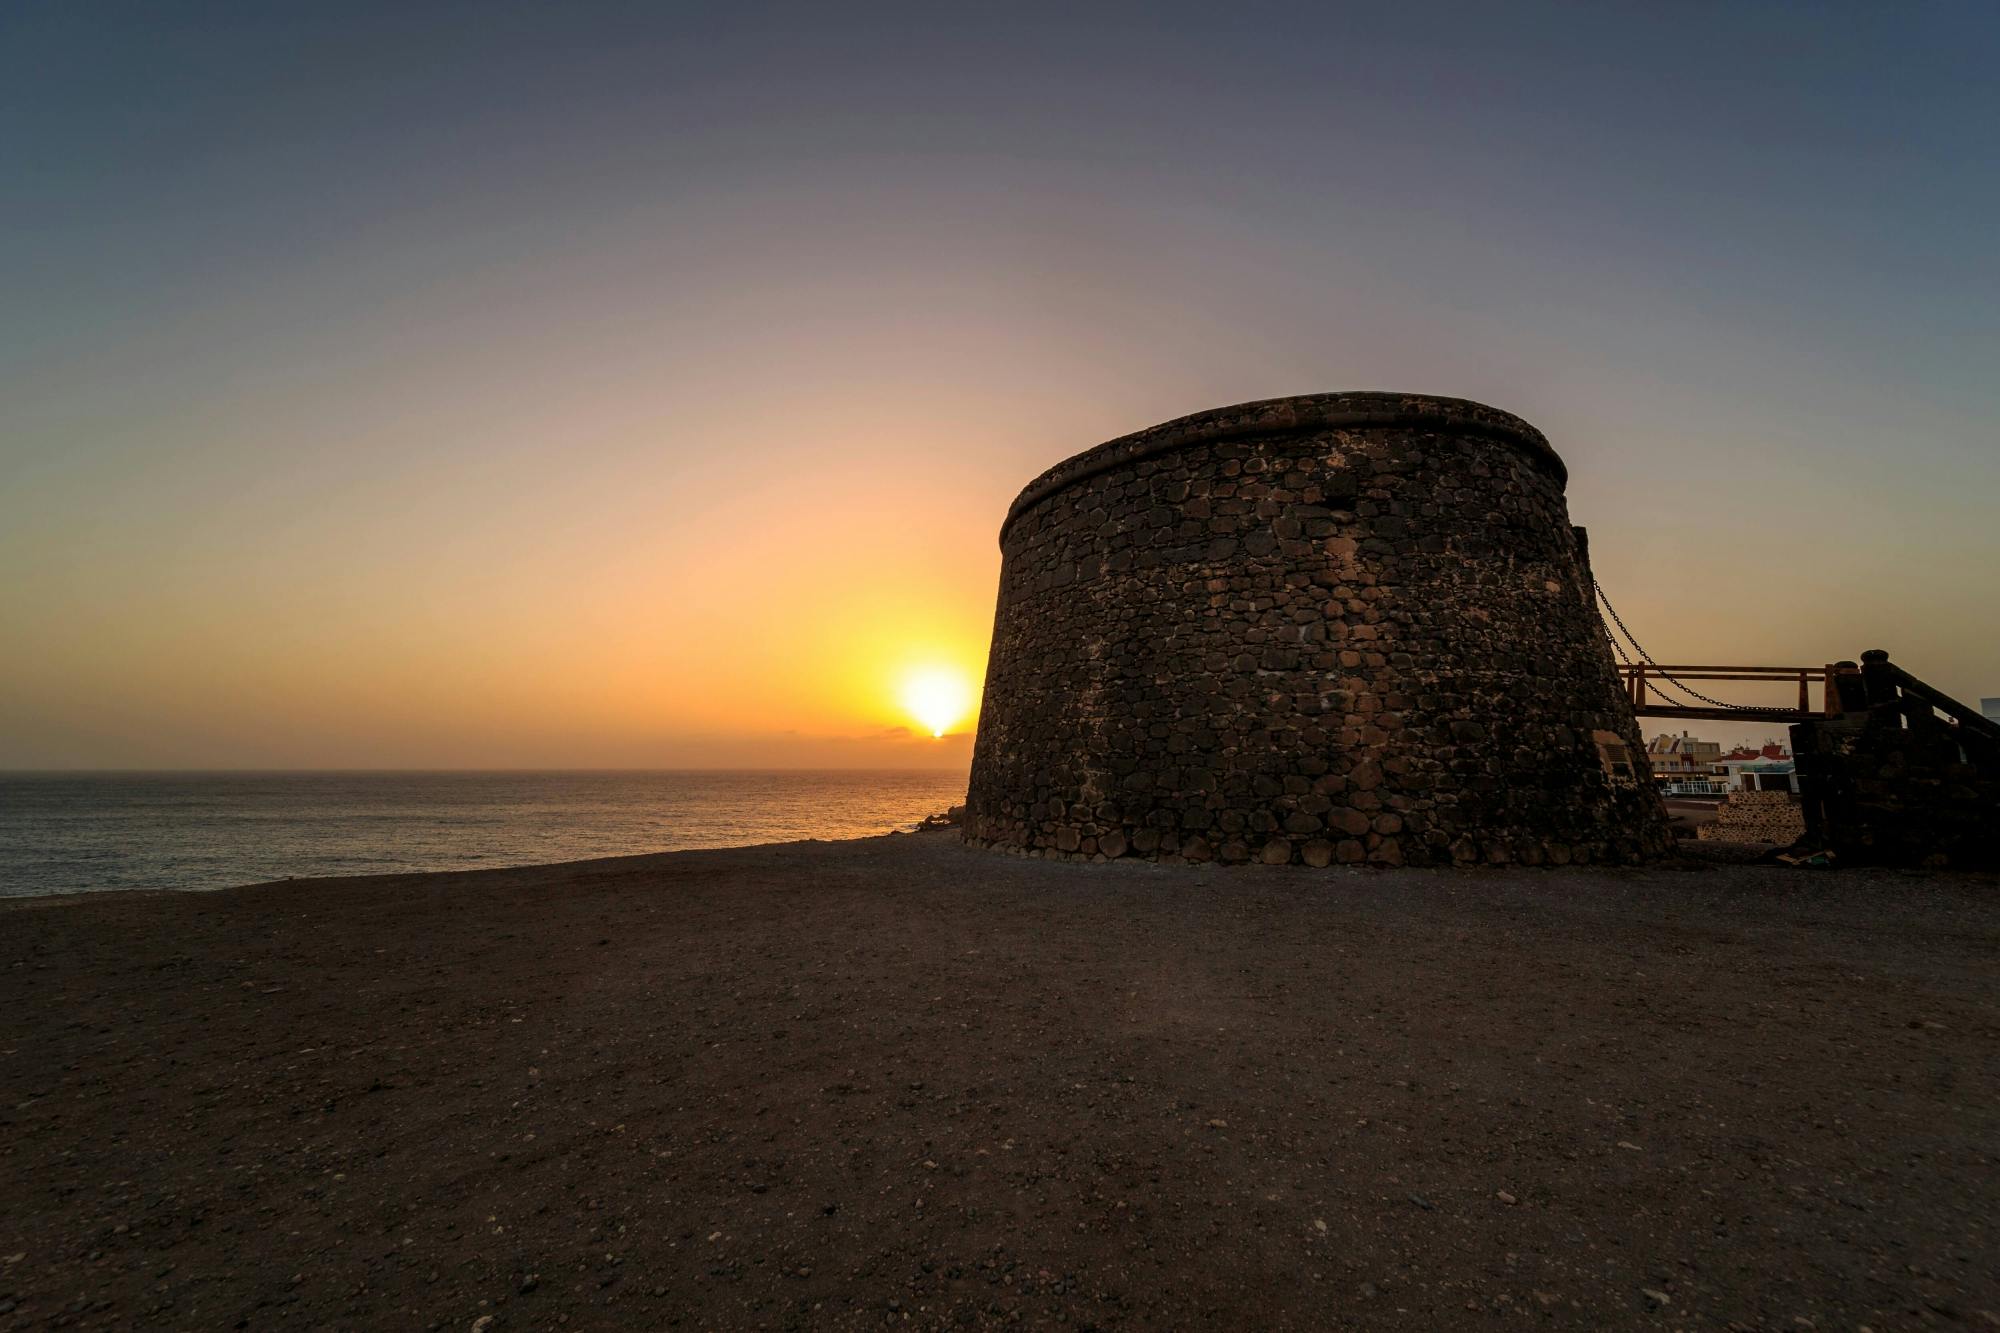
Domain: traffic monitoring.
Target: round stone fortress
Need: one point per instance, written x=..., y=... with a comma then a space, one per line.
x=1339, y=628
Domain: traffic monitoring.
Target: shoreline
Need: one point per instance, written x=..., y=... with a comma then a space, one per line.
x=333, y=881
x=1687, y=855
x=895, y=1080
x=170, y=831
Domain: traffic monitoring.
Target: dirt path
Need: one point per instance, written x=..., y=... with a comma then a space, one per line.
x=896, y=1081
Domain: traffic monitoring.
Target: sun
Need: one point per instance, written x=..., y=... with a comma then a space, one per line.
x=938, y=697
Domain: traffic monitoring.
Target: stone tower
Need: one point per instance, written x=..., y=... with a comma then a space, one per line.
x=1338, y=628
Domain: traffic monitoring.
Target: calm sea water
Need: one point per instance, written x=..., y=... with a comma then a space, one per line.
x=65, y=833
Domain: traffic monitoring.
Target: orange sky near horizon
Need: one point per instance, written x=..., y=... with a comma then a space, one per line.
x=584, y=386
x=728, y=613
x=682, y=566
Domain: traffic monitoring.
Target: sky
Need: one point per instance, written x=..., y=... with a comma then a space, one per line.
x=604, y=385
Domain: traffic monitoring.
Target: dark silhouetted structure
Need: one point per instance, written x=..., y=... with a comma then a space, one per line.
x=1351, y=627
x=1900, y=773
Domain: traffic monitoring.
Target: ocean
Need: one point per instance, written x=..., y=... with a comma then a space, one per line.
x=83, y=832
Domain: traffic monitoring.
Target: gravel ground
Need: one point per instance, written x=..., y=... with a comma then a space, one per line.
x=897, y=1081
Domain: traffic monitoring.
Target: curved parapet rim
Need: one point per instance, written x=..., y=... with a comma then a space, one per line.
x=1268, y=416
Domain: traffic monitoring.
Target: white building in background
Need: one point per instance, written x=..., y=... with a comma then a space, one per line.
x=1681, y=756
x=1744, y=769
x=1758, y=774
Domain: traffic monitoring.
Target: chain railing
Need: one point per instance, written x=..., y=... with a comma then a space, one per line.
x=1641, y=678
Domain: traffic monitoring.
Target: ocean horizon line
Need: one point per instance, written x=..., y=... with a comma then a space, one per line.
x=84, y=831
x=532, y=770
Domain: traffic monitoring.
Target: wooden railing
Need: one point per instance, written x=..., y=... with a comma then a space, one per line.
x=1651, y=688
x=1842, y=687
x=1885, y=682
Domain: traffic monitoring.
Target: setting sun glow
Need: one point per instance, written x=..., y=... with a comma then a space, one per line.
x=938, y=697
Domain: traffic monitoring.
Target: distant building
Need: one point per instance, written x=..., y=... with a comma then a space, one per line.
x=1684, y=766
x=1680, y=757
x=1991, y=708
x=1757, y=774
x=1769, y=750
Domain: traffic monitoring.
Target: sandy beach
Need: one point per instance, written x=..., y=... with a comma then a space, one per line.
x=897, y=1081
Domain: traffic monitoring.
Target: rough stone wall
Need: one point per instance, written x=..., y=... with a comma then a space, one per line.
x=1334, y=629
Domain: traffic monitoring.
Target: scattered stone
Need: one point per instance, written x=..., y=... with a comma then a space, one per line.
x=1506, y=1198
x=1656, y=1296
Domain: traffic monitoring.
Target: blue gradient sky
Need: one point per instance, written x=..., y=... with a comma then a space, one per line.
x=602, y=384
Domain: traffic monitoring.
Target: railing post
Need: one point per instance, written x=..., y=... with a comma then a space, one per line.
x=1878, y=678
x=1850, y=692
x=1815, y=787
